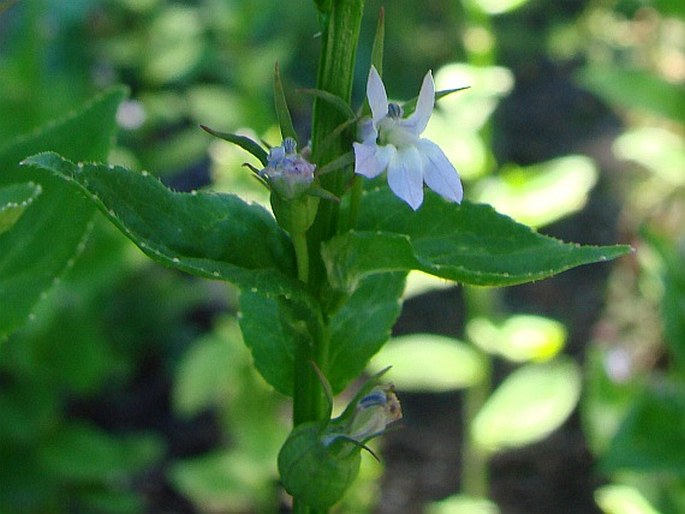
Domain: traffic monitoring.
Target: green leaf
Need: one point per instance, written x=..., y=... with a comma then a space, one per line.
x=543, y=193
x=225, y=481
x=81, y=453
x=608, y=395
x=493, y=7
x=14, y=199
x=531, y=403
x=243, y=142
x=466, y=243
x=216, y=236
x=659, y=150
x=357, y=331
x=378, y=47
x=410, y=105
x=429, y=363
x=201, y=379
x=334, y=101
x=362, y=326
x=462, y=504
x=43, y=242
x=635, y=89
x=651, y=438
x=622, y=499
x=285, y=121
x=272, y=345
x=519, y=338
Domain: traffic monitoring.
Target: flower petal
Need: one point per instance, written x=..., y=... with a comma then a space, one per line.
x=424, y=106
x=438, y=172
x=405, y=177
x=378, y=98
x=370, y=159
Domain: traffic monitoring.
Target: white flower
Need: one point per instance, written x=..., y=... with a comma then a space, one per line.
x=392, y=142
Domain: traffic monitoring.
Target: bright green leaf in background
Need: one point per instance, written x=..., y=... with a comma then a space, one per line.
x=466, y=243
x=519, y=338
x=622, y=499
x=217, y=373
x=226, y=481
x=457, y=123
x=492, y=7
x=660, y=151
x=635, y=89
x=462, y=504
x=542, y=193
x=53, y=229
x=14, y=199
x=429, y=363
x=531, y=403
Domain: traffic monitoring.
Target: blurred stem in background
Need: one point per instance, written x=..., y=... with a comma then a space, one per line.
x=480, y=47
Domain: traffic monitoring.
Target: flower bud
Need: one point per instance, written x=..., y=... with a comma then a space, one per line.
x=320, y=460
x=287, y=172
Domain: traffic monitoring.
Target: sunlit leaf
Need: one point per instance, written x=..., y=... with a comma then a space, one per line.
x=429, y=363
x=519, y=338
x=659, y=150
x=622, y=499
x=635, y=89
x=226, y=480
x=201, y=379
x=543, y=193
x=531, y=403
x=497, y=6
x=462, y=504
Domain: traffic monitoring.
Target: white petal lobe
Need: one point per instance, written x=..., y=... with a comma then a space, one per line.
x=405, y=176
x=438, y=172
x=424, y=106
x=378, y=98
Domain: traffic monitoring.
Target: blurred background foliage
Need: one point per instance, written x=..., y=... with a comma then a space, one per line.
x=129, y=389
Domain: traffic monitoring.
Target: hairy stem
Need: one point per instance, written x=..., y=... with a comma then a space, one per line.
x=336, y=71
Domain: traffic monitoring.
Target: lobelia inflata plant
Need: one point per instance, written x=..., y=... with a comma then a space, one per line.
x=322, y=274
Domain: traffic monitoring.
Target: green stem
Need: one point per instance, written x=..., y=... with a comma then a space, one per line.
x=336, y=74
x=302, y=255
x=474, y=462
x=480, y=302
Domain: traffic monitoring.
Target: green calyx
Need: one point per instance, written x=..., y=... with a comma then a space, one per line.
x=294, y=215
x=314, y=471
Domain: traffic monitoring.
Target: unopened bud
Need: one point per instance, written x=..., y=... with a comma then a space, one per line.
x=288, y=173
